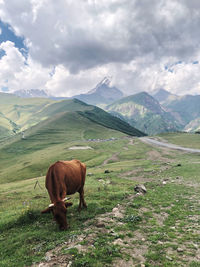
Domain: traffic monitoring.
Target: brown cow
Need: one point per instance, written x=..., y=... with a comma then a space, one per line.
x=64, y=178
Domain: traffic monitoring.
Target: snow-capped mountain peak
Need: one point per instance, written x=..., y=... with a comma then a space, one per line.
x=103, y=93
x=105, y=83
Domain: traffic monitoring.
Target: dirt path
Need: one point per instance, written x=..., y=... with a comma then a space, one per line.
x=134, y=243
x=102, y=224
x=114, y=157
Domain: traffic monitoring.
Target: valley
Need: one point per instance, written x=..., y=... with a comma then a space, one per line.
x=99, y=133
x=119, y=227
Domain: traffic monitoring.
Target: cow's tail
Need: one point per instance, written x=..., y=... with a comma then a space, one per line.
x=50, y=182
x=83, y=173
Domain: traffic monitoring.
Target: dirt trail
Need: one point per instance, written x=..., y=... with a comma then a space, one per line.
x=104, y=224
x=114, y=157
x=134, y=243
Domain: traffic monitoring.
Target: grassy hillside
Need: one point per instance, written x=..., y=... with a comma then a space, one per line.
x=19, y=114
x=156, y=229
x=99, y=116
x=56, y=126
x=144, y=113
x=189, y=140
x=46, y=142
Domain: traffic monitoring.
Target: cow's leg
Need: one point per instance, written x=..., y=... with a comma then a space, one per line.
x=82, y=202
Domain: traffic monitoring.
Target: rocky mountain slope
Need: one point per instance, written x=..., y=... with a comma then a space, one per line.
x=145, y=113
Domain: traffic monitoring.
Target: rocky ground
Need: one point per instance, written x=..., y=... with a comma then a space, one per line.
x=157, y=228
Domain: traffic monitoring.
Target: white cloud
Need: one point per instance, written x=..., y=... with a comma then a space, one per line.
x=17, y=72
x=85, y=40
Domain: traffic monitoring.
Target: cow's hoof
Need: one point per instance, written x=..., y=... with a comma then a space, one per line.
x=64, y=228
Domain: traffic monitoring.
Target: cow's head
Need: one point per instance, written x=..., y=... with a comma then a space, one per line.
x=59, y=210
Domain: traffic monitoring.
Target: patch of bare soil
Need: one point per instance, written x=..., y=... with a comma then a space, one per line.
x=155, y=155
x=132, y=172
x=131, y=142
x=114, y=157
x=160, y=217
x=134, y=176
x=138, y=179
x=79, y=147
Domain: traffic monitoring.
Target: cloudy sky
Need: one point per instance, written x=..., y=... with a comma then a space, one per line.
x=66, y=47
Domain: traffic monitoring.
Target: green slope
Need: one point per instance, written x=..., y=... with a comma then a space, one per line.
x=99, y=116
x=49, y=140
x=49, y=128
x=144, y=113
x=18, y=112
x=45, y=143
x=21, y=113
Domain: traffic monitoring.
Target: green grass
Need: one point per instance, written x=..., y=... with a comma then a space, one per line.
x=44, y=144
x=156, y=224
x=190, y=140
x=27, y=235
x=18, y=114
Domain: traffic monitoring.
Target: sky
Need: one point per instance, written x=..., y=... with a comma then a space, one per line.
x=66, y=47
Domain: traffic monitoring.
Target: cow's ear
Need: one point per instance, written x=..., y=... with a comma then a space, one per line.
x=48, y=210
x=68, y=204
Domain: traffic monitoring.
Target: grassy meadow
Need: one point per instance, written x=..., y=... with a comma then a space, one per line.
x=160, y=228
x=183, y=139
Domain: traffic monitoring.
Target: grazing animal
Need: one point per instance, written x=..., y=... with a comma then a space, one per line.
x=64, y=178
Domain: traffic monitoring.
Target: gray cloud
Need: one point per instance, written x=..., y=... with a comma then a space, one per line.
x=80, y=35
x=115, y=35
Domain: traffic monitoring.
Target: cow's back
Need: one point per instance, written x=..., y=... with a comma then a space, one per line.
x=65, y=175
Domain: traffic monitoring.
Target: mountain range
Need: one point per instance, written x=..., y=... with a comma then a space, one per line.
x=152, y=113
x=32, y=93
x=22, y=114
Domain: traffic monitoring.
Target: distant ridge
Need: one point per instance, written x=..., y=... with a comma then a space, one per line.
x=161, y=95
x=186, y=107
x=32, y=93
